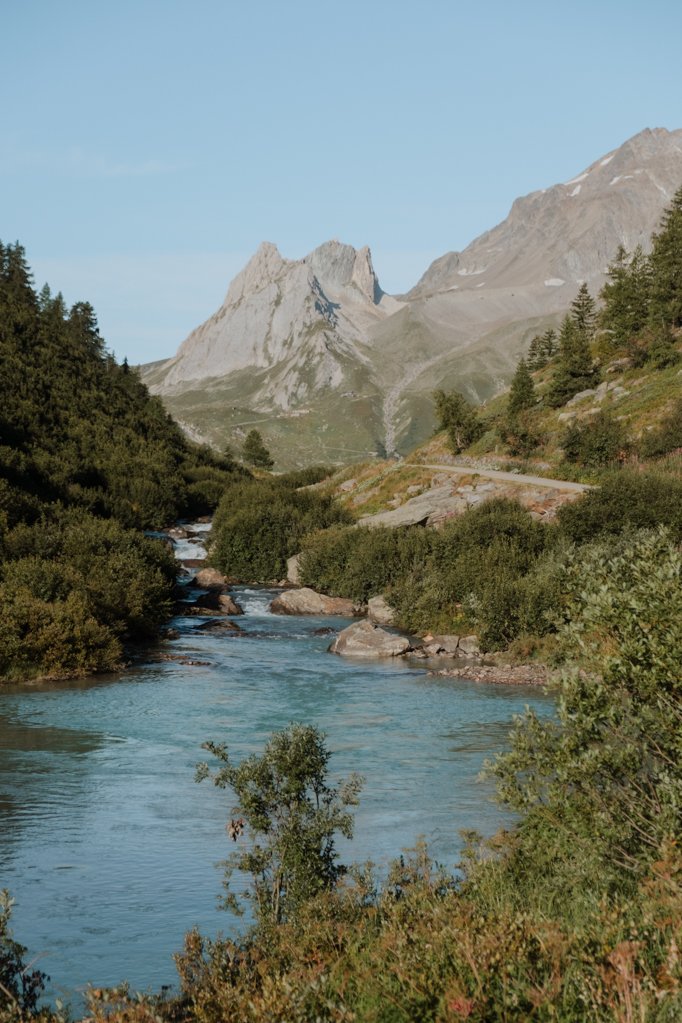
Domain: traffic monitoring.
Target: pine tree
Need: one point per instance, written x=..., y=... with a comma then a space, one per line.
x=626, y=295
x=255, y=452
x=535, y=359
x=522, y=391
x=665, y=309
x=583, y=312
x=549, y=345
x=575, y=369
x=457, y=416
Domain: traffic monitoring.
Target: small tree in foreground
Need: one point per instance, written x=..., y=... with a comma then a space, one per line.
x=458, y=417
x=255, y=451
x=288, y=816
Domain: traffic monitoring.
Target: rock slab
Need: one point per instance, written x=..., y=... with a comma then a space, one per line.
x=380, y=612
x=364, y=639
x=307, y=602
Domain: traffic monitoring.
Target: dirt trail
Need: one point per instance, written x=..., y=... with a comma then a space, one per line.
x=499, y=474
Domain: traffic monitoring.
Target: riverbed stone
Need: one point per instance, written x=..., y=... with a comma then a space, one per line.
x=222, y=602
x=210, y=579
x=293, y=569
x=218, y=625
x=364, y=639
x=307, y=602
x=469, y=646
x=380, y=611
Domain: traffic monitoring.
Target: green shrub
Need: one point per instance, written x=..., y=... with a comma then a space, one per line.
x=667, y=437
x=625, y=498
x=362, y=562
x=261, y=523
x=597, y=442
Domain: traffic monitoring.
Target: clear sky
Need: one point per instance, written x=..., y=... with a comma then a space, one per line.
x=148, y=146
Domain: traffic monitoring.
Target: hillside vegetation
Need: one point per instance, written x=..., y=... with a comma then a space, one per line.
x=87, y=460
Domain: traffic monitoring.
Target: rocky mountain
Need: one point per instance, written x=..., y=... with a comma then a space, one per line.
x=330, y=367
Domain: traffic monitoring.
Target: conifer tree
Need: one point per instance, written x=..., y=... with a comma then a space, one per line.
x=535, y=359
x=575, y=369
x=626, y=295
x=255, y=451
x=549, y=345
x=583, y=311
x=522, y=391
x=665, y=309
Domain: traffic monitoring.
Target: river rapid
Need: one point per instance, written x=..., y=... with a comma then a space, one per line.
x=111, y=849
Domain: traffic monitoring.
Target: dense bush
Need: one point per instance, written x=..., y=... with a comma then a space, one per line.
x=261, y=523
x=486, y=572
x=625, y=498
x=666, y=437
x=363, y=562
x=597, y=442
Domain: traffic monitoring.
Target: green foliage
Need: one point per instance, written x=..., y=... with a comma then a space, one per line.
x=575, y=370
x=522, y=391
x=665, y=305
x=485, y=573
x=521, y=434
x=625, y=296
x=601, y=787
x=290, y=815
x=459, y=418
x=79, y=432
x=255, y=452
x=666, y=437
x=583, y=312
x=20, y=985
x=261, y=523
x=542, y=350
x=625, y=499
x=363, y=562
x=596, y=443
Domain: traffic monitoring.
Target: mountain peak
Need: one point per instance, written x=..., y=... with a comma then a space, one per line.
x=265, y=266
x=337, y=265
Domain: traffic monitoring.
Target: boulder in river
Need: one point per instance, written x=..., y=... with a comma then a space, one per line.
x=307, y=602
x=364, y=639
x=218, y=625
x=210, y=579
x=379, y=611
x=221, y=602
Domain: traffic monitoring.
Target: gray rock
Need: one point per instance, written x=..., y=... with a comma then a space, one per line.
x=221, y=602
x=210, y=579
x=380, y=612
x=448, y=645
x=364, y=639
x=307, y=602
x=218, y=625
x=468, y=646
x=293, y=573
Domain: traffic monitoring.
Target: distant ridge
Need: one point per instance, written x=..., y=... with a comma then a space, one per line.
x=332, y=367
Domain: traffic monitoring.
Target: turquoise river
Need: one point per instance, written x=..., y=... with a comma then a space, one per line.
x=111, y=850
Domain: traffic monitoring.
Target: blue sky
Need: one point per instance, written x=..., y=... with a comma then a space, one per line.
x=148, y=147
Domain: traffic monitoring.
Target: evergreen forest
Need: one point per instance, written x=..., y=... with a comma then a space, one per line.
x=88, y=460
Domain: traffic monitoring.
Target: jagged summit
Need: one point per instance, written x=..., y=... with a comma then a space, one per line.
x=335, y=368
x=313, y=310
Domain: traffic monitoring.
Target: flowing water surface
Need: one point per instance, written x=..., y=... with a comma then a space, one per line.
x=111, y=849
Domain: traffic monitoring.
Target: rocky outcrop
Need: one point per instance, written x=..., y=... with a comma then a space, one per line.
x=307, y=602
x=221, y=602
x=210, y=579
x=293, y=570
x=364, y=639
x=218, y=625
x=333, y=363
x=380, y=612
x=461, y=647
